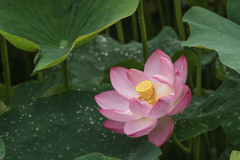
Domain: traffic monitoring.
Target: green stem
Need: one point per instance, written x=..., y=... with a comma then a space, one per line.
x=167, y=12
x=28, y=65
x=197, y=139
x=179, y=144
x=208, y=145
x=208, y=74
x=213, y=75
x=64, y=74
x=178, y=14
x=135, y=27
x=6, y=70
x=161, y=12
x=196, y=147
x=199, y=67
x=120, y=34
x=148, y=19
x=143, y=30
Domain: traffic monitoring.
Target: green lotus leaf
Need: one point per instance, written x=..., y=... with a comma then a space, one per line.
x=55, y=27
x=65, y=126
x=209, y=30
x=231, y=127
x=220, y=108
x=2, y=148
x=90, y=61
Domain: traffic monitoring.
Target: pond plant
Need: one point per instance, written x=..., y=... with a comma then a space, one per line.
x=110, y=80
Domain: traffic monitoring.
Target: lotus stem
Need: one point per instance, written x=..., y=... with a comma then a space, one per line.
x=64, y=74
x=6, y=70
x=208, y=146
x=196, y=147
x=178, y=14
x=199, y=66
x=161, y=12
x=135, y=27
x=167, y=12
x=197, y=139
x=179, y=144
x=143, y=30
x=120, y=34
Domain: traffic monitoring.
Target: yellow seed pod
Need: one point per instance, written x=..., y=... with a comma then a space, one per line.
x=145, y=89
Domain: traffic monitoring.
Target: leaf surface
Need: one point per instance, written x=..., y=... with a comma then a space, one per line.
x=54, y=28
x=63, y=126
x=209, y=30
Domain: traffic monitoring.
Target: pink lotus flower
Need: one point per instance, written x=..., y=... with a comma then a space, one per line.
x=143, y=102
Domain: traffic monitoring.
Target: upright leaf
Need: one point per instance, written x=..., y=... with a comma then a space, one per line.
x=209, y=30
x=55, y=27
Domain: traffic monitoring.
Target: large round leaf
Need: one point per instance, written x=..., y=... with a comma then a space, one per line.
x=209, y=30
x=56, y=27
x=63, y=126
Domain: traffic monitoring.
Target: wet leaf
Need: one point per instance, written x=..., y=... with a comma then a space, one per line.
x=205, y=115
x=28, y=91
x=63, y=126
x=98, y=88
x=231, y=127
x=92, y=59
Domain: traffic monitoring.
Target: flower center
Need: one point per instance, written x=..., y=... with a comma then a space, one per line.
x=147, y=92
